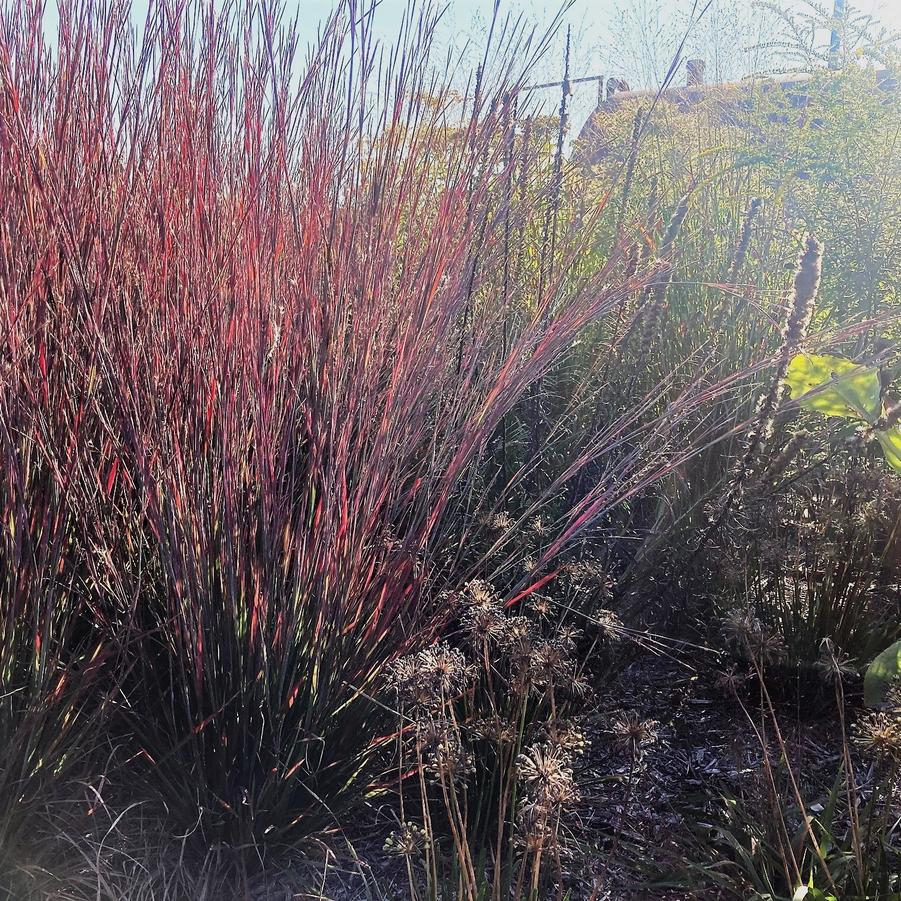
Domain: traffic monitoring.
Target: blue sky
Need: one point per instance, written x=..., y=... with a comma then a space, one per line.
x=634, y=39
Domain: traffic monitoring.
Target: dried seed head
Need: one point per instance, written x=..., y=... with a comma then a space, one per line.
x=540, y=604
x=609, y=625
x=427, y=678
x=748, y=635
x=449, y=759
x=404, y=680
x=741, y=625
x=879, y=734
x=517, y=630
x=833, y=664
x=634, y=735
x=567, y=637
x=483, y=621
x=804, y=294
x=494, y=728
x=567, y=737
x=589, y=575
x=546, y=773
x=549, y=662
x=731, y=680
x=767, y=647
x=501, y=521
x=445, y=668
x=406, y=841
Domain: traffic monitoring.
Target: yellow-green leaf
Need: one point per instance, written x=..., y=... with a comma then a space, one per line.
x=890, y=439
x=880, y=673
x=835, y=386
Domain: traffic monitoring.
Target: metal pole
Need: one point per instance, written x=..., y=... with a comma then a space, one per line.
x=835, y=40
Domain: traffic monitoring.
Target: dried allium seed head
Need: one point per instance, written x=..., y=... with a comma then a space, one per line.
x=406, y=841
x=445, y=668
x=450, y=759
x=405, y=680
x=427, y=678
x=589, y=575
x=502, y=521
x=483, y=622
x=833, y=663
x=539, y=527
x=731, y=680
x=432, y=730
x=567, y=737
x=767, y=647
x=741, y=625
x=540, y=604
x=567, y=637
x=517, y=629
x=609, y=625
x=479, y=592
x=495, y=729
x=879, y=734
x=547, y=775
x=534, y=829
x=634, y=735
x=548, y=663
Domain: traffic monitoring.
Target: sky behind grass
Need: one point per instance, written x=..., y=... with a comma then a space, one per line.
x=631, y=39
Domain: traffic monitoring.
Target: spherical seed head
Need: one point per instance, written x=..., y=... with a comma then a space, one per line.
x=568, y=737
x=880, y=734
x=445, y=668
x=731, y=680
x=633, y=734
x=405, y=841
x=450, y=759
x=501, y=521
x=833, y=663
x=547, y=775
x=427, y=678
x=494, y=728
x=539, y=527
x=741, y=625
x=609, y=625
x=540, y=604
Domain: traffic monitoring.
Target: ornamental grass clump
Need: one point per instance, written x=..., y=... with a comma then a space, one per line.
x=266, y=335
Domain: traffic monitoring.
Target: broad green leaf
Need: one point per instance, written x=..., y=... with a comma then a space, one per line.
x=835, y=386
x=885, y=667
x=890, y=440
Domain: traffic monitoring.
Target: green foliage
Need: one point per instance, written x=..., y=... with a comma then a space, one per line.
x=836, y=386
x=885, y=668
x=890, y=440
